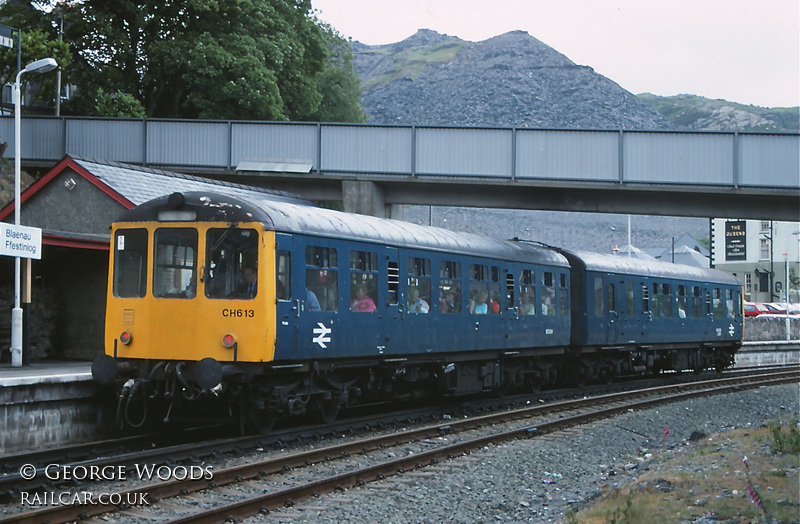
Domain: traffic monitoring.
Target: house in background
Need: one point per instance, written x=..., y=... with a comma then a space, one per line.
x=761, y=254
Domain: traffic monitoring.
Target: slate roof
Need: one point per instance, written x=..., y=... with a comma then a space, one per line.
x=140, y=184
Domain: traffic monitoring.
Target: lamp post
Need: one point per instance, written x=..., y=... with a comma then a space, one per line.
x=40, y=66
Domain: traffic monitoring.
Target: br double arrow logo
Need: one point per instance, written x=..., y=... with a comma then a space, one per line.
x=322, y=333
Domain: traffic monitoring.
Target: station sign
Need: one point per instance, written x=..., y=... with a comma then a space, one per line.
x=736, y=240
x=20, y=241
x=6, y=36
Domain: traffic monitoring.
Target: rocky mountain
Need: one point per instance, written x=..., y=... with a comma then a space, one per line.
x=516, y=80
x=509, y=80
x=700, y=113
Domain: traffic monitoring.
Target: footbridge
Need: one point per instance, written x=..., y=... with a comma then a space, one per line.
x=373, y=168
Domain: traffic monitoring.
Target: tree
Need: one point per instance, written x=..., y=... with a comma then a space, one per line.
x=232, y=59
x=215, y=59
x=39, y=90
x=338, y=83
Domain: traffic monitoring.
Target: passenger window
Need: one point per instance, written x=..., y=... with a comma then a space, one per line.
x=283, y=273
x=363, y=281
x=563, y=295
x=717, y=303
x=629, y=299
x=612, y=299
x=174, y=271
x=697, y=302
x=654, y=301
x=478, y=290
x=548, y=294
x=450, y=287
x=229, y=252
x=599, y=303
x=682, y=306
x=729, y=311
x=666, y=300
x=419, y=285
x=130, y=263
x=527, y=292
x=494, y=290
x=321, y=293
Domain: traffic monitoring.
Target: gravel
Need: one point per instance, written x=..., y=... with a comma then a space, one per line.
x=542, y=479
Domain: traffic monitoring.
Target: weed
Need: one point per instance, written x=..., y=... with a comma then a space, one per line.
x=785, y=442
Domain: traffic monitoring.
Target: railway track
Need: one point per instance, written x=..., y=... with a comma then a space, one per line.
x=264, y=484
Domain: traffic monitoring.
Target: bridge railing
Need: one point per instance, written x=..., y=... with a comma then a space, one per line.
x=729, y=159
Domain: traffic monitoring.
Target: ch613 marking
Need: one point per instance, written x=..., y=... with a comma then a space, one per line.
x=238, y=313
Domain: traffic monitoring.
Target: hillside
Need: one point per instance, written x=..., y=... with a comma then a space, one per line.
x=700, y=113
x=515, y=80
x=509, y=80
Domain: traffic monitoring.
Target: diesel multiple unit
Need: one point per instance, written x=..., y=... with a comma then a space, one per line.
x=267, y=308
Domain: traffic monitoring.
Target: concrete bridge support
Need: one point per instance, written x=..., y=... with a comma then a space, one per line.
x=367, y=198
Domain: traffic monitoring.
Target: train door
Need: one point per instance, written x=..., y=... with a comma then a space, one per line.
x=630, y=317
x=419, y=304
x=315, y=299
x=287, y=273
x=392, y=301
x=612, y=310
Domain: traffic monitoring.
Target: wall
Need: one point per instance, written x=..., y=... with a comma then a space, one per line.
x=770, y=328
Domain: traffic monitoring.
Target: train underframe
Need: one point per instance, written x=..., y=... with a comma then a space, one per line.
x=259, y=395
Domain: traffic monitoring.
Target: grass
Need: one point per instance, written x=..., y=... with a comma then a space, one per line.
x=412, y=63
x=709, y=477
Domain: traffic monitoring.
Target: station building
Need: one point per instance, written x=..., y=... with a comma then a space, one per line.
x=763, y=254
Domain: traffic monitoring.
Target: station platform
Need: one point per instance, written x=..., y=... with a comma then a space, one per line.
x=47, y=372
x=48, y=404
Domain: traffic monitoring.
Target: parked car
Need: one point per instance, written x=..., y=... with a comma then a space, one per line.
x=753, y=309
x=775, y=309
x=794, y=309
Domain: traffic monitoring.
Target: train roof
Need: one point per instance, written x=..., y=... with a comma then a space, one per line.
x=624, y=265
x=293, y=217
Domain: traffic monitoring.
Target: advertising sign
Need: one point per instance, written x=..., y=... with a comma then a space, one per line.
x=735, y=240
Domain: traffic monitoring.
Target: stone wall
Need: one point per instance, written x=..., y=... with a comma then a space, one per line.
x=764, y=328
x=38, y=416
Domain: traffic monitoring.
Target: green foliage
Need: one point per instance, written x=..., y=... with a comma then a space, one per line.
x=412, y=63
x=338, y=83
x=39, y=89
x=119, y=105
x=234, y=59
x=788, y=442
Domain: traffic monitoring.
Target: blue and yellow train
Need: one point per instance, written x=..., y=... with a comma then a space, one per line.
x=269, y=308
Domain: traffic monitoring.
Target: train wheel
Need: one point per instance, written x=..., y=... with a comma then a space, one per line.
x=533, y=383
x=261, y=421
x=325, y=410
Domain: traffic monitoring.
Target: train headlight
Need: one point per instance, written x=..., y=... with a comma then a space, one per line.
x=228, y=341
x=126, y=337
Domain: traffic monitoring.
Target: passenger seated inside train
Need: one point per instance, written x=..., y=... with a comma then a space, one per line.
x=362, y=302
x=415, y=303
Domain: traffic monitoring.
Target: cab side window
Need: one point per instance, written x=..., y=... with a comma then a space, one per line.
x=229, y=253
x=130, y=263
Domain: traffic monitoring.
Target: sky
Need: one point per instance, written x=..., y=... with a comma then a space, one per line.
x=745, y=51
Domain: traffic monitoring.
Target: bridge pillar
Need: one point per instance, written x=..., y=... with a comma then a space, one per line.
x=366, y=198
